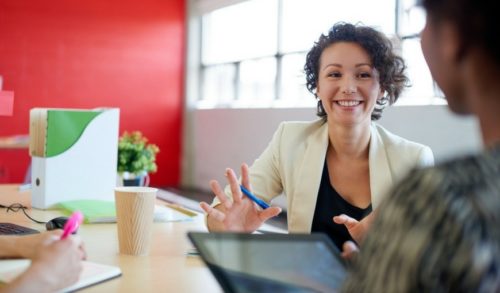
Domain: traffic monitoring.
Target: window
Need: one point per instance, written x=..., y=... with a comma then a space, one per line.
x=239, y=32
x=423, y=89
x=252, y=53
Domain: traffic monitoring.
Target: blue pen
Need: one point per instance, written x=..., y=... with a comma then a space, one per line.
x=255, y=199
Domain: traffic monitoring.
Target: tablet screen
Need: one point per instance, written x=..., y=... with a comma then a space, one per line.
x=272, y=262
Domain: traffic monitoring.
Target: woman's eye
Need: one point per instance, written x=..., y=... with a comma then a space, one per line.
x=364, y=75
x=335, y=74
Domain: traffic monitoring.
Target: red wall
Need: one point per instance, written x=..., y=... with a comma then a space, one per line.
x=85, y=54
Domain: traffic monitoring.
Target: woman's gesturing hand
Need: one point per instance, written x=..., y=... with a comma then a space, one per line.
x=239, y=214
x=357, y=229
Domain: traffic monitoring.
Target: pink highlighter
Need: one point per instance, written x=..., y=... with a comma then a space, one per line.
x=72, y=224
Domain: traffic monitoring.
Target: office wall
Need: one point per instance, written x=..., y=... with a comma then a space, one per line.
x=85, y=54
x=227, y=137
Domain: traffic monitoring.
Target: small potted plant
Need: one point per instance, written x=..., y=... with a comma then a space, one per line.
x=136, y=159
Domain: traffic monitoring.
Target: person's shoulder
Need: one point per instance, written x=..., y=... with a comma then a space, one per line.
x=450, y=189
x=468, y=172
x=392, y=140
x=295, y=133
x=303, y=127
x=473, y=168
x=314, y=124
x=449, y=168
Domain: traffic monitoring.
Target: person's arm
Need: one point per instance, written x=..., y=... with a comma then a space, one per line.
x=23, y=246
x=55, y=263
x=10, y=246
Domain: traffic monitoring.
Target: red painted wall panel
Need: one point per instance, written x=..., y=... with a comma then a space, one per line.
x=85, y=54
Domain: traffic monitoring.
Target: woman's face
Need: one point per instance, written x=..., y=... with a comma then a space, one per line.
x=439, y=49
x=348, y=84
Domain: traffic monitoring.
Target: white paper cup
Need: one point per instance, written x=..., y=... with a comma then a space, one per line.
x=134, y=218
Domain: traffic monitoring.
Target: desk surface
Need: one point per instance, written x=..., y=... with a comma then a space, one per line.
x=166, y=269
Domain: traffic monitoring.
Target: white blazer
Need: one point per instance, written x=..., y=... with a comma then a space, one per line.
x=293, y=164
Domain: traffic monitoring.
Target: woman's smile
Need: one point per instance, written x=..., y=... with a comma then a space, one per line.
x=348, y=84
x=348, y=103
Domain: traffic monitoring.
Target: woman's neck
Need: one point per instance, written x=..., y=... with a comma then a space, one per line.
x=489, y=120
x=350, y=142
x=483, y=96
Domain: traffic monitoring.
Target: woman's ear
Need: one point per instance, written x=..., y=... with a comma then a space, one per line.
x=452, y=47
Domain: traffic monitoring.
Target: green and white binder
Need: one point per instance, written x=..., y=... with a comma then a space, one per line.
x=74, y=154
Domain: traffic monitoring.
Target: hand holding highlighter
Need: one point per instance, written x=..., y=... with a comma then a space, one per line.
x=72, y=224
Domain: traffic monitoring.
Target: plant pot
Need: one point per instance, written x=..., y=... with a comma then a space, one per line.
x=131, y=179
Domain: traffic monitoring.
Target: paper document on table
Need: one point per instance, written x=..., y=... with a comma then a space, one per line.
x=169, y=214
x=101, y=211
x=92, y=273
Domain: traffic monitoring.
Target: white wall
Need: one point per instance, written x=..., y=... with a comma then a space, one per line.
x=220, y=138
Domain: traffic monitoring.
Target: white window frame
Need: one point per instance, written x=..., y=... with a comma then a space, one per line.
x=194, y=70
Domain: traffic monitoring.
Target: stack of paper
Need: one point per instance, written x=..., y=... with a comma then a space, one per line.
x=99, y=211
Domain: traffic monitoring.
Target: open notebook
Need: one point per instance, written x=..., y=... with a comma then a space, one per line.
x=92, y=273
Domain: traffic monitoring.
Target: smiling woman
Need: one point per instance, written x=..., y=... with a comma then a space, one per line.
x=347, y=85
x=370, y=58
x=343, y=163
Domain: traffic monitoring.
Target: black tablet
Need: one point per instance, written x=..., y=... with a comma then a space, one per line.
x=271, y=262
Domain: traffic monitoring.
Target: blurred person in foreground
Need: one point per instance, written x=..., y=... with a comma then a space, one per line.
x=439, y=229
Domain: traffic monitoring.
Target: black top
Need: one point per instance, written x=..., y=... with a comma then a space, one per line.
x=330, y=204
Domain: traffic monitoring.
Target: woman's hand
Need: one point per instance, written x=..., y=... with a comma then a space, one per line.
x=28, y=246
x=356, y=228
x=349, y=250
x=55, y=264
x=240, y=214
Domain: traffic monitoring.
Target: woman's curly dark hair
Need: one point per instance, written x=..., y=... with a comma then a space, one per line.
x=391, y=68
x=477, y=22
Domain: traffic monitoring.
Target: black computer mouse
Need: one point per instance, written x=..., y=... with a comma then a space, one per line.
x=56, y=223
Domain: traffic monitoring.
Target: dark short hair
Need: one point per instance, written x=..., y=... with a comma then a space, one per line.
x=391, y=68
x=477, y=22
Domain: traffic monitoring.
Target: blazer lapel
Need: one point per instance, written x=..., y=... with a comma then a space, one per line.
x=303, y=202
x=380, y=169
